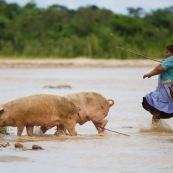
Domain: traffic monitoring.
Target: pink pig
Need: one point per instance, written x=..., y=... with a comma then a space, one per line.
x=40, y=110
x=93, y=107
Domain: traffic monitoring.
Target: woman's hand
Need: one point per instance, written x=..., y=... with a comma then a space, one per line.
x=146, y=75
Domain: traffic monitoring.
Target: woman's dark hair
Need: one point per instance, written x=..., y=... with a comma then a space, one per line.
x=170, y=48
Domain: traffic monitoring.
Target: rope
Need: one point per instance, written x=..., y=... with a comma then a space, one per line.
x=114, y=131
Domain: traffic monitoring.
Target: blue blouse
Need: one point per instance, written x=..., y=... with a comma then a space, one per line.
x=167, y=65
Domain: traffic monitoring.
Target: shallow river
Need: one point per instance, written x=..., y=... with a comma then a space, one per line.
x=140, y=152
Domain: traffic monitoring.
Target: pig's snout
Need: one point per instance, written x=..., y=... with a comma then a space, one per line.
x=100, y=125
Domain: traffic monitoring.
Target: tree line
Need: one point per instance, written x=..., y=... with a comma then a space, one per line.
x=59, y=32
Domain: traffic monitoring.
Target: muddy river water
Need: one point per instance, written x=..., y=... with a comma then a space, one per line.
x=140, y=152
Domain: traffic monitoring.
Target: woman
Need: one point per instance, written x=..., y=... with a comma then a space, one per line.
x=160, y=102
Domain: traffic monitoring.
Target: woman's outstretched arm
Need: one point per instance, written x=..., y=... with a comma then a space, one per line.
x=157, y=70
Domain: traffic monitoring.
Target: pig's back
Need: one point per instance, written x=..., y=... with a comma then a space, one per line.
x=89, y=99
x=42, y=103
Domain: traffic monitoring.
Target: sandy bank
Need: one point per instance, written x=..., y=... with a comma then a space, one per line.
x=76, y=63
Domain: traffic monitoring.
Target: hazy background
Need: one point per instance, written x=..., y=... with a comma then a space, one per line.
x=84, y=29
x=113, y=5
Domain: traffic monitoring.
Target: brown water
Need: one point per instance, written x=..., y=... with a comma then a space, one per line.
x=140, y=152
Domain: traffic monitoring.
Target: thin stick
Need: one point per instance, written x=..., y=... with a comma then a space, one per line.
x=114, y=131
x=122, y=48
x=137, y=53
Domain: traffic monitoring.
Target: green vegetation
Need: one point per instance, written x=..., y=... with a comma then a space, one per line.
x=58, y=32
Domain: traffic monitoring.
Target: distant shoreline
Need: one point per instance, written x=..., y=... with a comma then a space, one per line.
x=7, y=63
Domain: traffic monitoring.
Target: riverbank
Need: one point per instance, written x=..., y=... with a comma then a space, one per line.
x=7, y=63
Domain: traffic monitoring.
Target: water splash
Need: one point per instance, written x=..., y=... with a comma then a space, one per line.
x=161, y=126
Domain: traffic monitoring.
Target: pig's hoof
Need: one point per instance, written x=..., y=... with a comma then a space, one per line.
x=37, y=147
x=18, y=145
x=60, y=133
x=101, y=134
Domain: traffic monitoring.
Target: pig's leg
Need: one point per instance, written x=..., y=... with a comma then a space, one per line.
x=70, y=126
x=43, y=129
x=60, y=130
x=100, y=125
x=29, y=130
x=61, y=127
x=20, y=129
x=72, y=131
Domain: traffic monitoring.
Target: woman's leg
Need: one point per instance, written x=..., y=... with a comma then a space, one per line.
x=155, y=119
